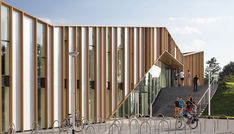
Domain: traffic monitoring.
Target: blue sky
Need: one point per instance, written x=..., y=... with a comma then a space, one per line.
x=200, y=25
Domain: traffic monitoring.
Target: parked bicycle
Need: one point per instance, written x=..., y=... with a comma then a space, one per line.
x=67, y=122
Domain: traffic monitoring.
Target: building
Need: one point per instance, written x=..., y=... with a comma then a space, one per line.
x=112, y=63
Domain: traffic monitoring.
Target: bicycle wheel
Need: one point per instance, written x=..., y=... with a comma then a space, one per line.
x=194, y=123
x=179, y=122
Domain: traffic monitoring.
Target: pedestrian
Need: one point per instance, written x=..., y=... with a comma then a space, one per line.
x=195, y=83
x=175, y=78
x=188, y=78
x=181, y=104
x=182, y=77
x=177, y=108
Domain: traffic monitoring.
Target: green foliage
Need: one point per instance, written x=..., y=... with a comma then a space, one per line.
x=212, y=63
x=227, y=72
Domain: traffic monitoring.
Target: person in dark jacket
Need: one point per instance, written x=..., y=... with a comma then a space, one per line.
x=195, y=83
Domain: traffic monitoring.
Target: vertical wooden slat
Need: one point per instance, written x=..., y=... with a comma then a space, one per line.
x=80, y=71
x=10, y=66
x=104, y=73
x=52, y=74
x=67, y=90
x=46, y=77
x=132, y=59
x=100, y=70
x=124, y=45
x=138, y=54
x=87, y=73
x=62, y=74
x=95, y=72
x=22, y=72
x=111, y=80
x=116, y=67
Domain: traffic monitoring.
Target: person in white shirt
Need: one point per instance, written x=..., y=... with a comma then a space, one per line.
x=182, y=77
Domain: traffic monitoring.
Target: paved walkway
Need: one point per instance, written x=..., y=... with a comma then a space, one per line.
x=165, y=101
x=206, y=126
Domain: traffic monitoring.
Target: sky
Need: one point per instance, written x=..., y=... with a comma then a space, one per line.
x=195, y=25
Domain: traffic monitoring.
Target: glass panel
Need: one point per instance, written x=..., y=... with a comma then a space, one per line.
x=91, y=72
x=41, y=62
x=138, y=102
x=120, y=67
x=108, y=69
x=5, y=67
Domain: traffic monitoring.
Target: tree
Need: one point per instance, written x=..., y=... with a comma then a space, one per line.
x=214, y=66
x=228, y=72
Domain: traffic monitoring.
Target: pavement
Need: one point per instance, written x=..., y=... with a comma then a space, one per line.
x=152, y=126
x=167, y=96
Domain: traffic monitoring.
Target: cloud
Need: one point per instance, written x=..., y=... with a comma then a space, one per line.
x=172, y=18
x=205, y=20
x=186, y=30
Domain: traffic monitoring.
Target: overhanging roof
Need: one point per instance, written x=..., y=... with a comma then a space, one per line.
x=168, y=59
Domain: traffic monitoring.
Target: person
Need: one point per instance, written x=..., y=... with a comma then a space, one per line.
x=181, y=104
x=177, y=108
x=189, y=103
x=175, y=77
x=182, y=77
x=195, y=83
x=188, y=78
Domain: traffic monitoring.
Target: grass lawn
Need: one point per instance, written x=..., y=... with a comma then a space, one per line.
x=223, y=101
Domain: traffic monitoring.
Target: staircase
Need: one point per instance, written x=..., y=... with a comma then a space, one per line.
x=165, y=101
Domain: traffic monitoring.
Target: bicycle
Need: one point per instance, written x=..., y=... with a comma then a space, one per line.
x=191, y=120
x=67, y=122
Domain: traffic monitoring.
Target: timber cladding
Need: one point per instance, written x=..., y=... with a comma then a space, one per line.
x=146, y=44
x=194, y=62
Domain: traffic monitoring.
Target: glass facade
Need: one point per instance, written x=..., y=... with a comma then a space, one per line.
x=91, y=72
x=41, y=73
x=139, y=101
x=99, y=89
x=5, y=66
x=120, y=63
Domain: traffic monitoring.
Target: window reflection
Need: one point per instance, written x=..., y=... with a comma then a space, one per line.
x=91, y=72
x=5, y=66
x=41, y=62
x=120, y=59
x=108, y=70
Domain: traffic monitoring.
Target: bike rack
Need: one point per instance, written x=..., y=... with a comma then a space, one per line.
x=114, y=125
x=88, y=127
x=147, y=123
x=210, y=117
x=11, y=129
x=167, y=118
x=130, y=124
x=36, y=129
x=52, y=125
x=223, y=116
x=160, y=115
x=163, y=121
